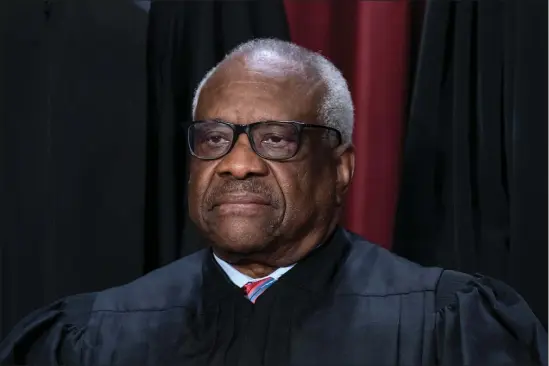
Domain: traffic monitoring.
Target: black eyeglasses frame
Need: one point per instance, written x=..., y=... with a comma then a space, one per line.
x=239, y=129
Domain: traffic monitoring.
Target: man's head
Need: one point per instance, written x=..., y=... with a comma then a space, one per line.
x=272, y=197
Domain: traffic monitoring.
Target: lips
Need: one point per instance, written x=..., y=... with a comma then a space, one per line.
x=241, y=199
x=241, y=205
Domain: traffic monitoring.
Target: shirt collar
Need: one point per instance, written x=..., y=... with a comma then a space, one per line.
x=240, y=279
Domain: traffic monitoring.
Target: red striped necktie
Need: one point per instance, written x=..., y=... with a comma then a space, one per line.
x=254, y=289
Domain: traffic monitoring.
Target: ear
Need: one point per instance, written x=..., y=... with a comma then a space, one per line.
x=345, y=166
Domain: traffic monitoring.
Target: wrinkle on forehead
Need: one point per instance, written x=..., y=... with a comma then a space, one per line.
x=268, y=72
x=230, y=83
x=271, y=77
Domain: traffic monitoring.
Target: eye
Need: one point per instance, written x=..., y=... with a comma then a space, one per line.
x=215, y=139
x=273, y=140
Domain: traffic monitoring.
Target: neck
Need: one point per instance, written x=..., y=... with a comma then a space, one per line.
x=255, y=270
x=260, y=265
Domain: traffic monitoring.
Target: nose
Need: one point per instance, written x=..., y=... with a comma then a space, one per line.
x=242, y=162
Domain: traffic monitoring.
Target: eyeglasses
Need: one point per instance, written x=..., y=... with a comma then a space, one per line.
x=272, y=140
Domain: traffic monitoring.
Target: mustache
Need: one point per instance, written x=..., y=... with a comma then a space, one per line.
x=252, y=186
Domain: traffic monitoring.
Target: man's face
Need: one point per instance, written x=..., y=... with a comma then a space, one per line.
x=242, y=202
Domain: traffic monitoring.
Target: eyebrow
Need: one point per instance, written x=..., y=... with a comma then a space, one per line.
x=261, y=118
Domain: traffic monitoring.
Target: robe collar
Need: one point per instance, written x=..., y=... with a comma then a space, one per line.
x=313, y=273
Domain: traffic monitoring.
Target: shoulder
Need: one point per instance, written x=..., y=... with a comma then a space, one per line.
x=170, y=286
x=386, y=273
x=69, y=326
x=383, y=273
x=449, y=285
x=493, y=323
x=35, y=337
x=456, y=289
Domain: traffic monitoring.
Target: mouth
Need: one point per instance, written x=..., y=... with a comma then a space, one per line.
x=242, y=199
x=241, y=204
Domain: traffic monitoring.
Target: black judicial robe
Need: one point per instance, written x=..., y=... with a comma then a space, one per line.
x=348, y=303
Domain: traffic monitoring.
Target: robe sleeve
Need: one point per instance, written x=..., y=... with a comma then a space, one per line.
x=42, y=337
x=485, y=322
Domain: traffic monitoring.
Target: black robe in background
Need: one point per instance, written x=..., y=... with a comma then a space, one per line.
x=348, y=303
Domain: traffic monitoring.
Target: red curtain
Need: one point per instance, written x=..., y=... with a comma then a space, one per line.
x=368, y=41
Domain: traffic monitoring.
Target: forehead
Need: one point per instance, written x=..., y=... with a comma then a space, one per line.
x=245, y=91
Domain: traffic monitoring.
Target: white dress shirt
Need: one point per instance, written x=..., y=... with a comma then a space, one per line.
x=240, y=279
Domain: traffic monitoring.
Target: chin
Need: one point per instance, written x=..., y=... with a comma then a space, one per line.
x=242, y=237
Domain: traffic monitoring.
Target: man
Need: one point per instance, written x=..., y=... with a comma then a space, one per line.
x=282, y=283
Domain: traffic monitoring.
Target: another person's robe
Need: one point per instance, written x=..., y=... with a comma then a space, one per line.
x=348, y=303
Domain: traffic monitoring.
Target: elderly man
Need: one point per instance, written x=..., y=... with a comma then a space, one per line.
x=282, y=283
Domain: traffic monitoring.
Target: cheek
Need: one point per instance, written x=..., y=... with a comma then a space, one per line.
x=199, y=181
x=306, y=187
x=318, y=185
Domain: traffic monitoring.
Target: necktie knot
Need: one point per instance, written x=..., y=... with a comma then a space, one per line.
x=254, y=289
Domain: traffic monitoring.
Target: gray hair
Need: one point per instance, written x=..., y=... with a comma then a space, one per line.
x=336, y=108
